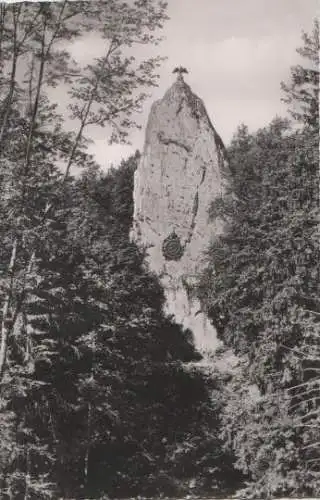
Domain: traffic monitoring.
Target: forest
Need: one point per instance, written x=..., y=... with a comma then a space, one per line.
x=100, y=394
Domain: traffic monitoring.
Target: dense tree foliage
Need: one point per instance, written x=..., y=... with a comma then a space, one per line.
x=261, y=290
x=33, y=140
x=104, y=401
x=84, y=343
x=100, y=392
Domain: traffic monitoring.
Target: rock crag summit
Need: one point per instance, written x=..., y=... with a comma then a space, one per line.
x=182, y=170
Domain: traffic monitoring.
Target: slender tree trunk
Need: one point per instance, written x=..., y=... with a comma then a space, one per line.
x=35, y=107
x=87, y=453
x=27, y=476
x=5, y=328
x=86, y=110
x=17, y=48
x=12, y=84
x=3, y=12
x=30, y=83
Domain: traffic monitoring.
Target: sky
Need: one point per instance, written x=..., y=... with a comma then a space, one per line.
x=236, y=51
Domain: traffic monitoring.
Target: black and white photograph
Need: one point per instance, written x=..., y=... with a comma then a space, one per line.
x=159, y=250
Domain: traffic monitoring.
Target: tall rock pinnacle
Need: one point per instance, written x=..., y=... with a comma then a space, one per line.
x=181, y=171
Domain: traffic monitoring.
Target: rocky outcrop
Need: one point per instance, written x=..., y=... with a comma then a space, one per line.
x=181, y=171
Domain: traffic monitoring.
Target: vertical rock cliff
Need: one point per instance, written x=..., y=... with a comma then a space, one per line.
x=181, y=171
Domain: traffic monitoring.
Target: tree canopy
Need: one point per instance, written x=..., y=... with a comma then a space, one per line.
x=261, y=290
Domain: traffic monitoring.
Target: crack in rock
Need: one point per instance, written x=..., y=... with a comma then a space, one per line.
x=195, y=208
x=180, y=106
x=204, y=171
x=167, y=141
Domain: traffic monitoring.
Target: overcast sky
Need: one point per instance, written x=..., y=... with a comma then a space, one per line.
x=237, y=53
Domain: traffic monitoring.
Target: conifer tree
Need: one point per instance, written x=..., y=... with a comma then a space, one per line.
x=302, y=93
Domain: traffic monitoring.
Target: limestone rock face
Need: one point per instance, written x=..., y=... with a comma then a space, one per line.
x=181, y=171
